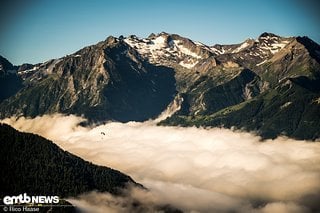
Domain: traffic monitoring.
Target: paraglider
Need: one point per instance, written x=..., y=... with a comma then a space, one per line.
x=102, y=135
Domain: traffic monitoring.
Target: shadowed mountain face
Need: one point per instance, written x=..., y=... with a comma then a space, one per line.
x=139, y=91
x=126, y=79
x=10, y=82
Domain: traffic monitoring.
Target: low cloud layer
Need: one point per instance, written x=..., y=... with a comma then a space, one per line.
x=191, y=168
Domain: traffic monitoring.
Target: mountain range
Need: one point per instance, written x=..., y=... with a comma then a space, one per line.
x=269, y=85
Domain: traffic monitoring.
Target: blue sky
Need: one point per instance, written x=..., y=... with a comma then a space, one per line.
x=37, y=30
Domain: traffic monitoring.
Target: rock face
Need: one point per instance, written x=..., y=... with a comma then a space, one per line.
x=130, y=78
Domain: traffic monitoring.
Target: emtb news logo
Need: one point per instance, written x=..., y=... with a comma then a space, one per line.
x=24, y=198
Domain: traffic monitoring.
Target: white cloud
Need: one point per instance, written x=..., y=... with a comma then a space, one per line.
x=193, y=168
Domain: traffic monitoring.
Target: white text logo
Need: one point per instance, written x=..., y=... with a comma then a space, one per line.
x=24, y=198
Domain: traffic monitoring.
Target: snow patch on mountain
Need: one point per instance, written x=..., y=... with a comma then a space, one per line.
x=273, y=44
x=38, y=71
x=241, y=47
x=160, y=50
x=262, y=62
x=25, y=73
x=188, y=65
x=216, y=51
x=185, y=50
x=285, y=105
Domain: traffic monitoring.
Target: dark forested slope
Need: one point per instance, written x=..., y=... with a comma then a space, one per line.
x=31, y=164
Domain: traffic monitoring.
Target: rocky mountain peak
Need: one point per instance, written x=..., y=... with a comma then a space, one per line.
x=111, y=40
x=151, y=36
x=312, y=47
x=169, y=49
x=5, y=66
x=268, y=35
x=10, y=82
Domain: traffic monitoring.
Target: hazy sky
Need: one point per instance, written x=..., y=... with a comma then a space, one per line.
x=37, y=30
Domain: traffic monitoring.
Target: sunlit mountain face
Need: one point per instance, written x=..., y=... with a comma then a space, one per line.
x=189, y=126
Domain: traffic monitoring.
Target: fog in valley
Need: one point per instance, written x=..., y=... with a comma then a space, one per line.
x=192, y=169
